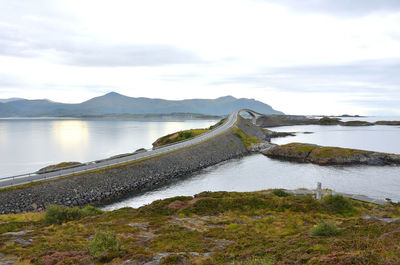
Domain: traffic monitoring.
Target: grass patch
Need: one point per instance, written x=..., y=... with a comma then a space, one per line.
x=56, y=214
x=246, y=139
x=102, y=243
x=280, y=193
x=217, y=124
x=328, y=121
x=339, y=204
x=58, y=166
x=325, y=228
x=178, y=136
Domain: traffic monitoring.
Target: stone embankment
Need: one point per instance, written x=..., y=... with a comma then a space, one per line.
x=321, y=155
x=118, y=181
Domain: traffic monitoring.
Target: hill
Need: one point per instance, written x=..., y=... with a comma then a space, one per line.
x=114, y=103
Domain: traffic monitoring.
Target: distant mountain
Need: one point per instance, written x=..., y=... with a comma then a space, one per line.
x=114, y=103
x=5, y=100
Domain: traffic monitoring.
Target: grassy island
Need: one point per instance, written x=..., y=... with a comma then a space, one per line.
x=327, y=155
x=184, y=135
x=266, y=227
x=178, y=136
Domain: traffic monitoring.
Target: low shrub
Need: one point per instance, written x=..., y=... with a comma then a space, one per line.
x=325, y=228
x=280, y=193
x=57, y=214
x=338, y=204
x=104, y=242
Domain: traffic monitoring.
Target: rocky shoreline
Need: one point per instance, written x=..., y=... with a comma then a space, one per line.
x=321, y=155
x=115, y=182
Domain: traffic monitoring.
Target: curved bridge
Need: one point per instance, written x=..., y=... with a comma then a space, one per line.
x=95, y=165
x=254, y=115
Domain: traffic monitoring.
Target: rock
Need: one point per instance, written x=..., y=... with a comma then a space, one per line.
x=356, y=123
x=5, y=262
x=321, y=155
x=20, y=233
x=383, y=219
x=20, y=241
x=387, y=122
x=260, y=147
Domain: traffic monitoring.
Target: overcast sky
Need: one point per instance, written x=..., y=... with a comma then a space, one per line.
x=299, y=56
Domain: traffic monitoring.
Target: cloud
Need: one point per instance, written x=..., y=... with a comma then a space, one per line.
x=362, y=76
x=80, y=53
x=341, y=7
x=59, y=38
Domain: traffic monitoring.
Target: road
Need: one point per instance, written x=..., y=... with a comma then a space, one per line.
x=27, y=178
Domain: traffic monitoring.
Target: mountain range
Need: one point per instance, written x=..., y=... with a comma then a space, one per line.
x=114, y=103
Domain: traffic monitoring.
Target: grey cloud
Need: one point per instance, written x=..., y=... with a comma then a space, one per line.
x=341, y=7
x=366, y=76
x=73, y=52
x=28, y=31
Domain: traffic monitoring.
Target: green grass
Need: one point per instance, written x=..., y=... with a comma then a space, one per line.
x=178, y=136
x=56, y=214
x=339, y=204
x=102, y=243
x=299, y=147
x=246, y=139
x=325, y=228
x=328, y=121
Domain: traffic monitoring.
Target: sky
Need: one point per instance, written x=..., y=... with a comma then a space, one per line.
x=300, y=57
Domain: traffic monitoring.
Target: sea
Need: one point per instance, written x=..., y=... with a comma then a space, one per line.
x=27, y=145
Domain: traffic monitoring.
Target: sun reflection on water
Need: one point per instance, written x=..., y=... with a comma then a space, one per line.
x=71, y=134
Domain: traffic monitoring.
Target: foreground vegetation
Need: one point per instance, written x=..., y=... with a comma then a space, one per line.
x=210, y=228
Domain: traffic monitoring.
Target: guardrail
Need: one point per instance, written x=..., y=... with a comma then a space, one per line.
x=99, y=164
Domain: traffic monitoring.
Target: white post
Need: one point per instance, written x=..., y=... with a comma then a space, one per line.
x=319, y=191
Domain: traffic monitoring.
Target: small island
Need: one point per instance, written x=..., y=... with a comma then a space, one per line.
x=322, y=155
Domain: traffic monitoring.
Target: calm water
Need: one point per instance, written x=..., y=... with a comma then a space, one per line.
x=257, y=172
x=27, y=145
x=375, y=138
